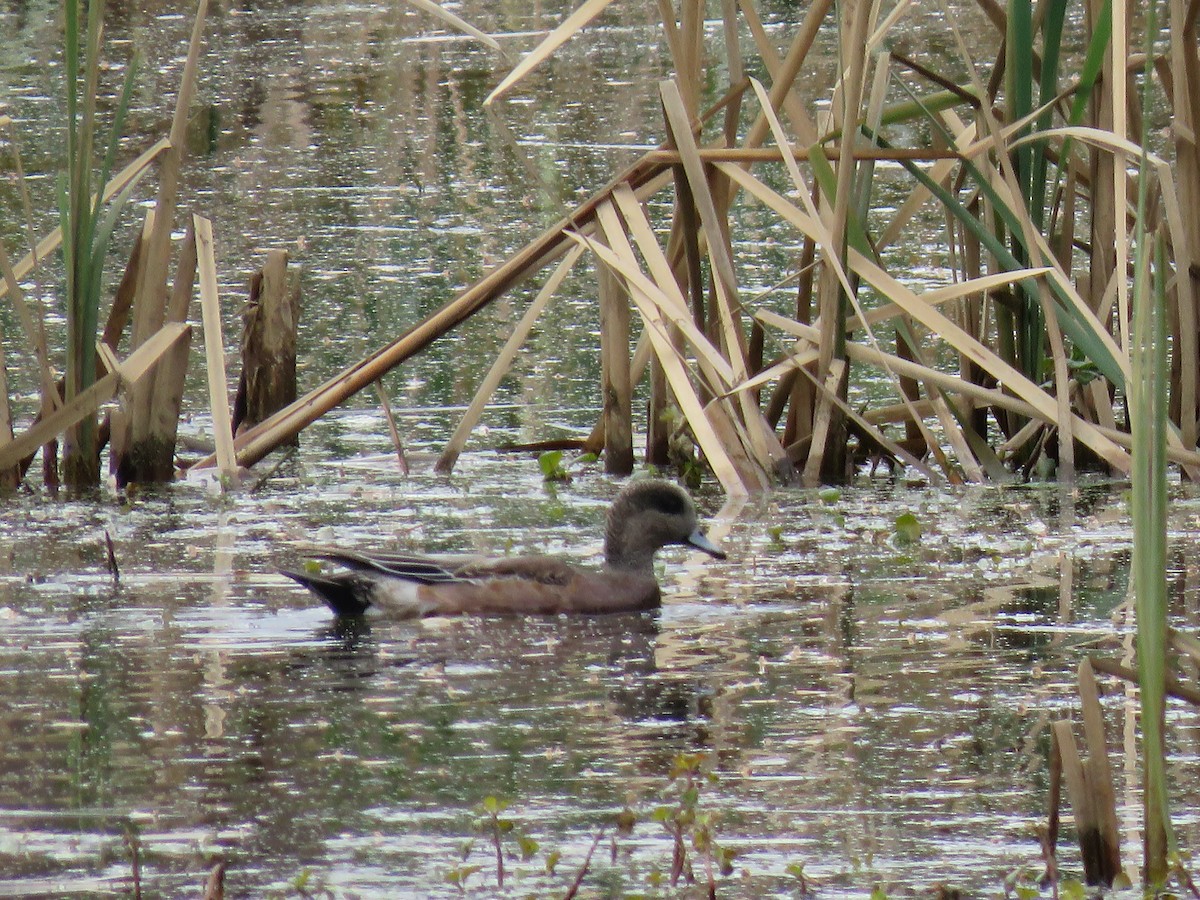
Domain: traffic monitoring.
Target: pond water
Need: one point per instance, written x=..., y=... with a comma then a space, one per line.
x=873, y=710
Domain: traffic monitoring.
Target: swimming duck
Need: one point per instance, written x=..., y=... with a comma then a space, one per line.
x=647, y=514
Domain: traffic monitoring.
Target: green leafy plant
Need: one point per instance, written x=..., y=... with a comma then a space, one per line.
x=775, y=533
x=796, y=870
x=829, y=495
x=496, y=828
x=87, y=235
x=459, y=875
x=1148, y=394
x=907, y=529
x=1023, y=883
x=305, y=884
x=553, y=470
x=684, y=819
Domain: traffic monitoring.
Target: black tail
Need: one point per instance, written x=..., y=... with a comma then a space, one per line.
x=345, y=594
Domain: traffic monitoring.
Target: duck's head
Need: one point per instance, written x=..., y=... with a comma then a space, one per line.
x=649, y=514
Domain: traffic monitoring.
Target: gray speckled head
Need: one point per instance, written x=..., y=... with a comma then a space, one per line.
x=646, y=515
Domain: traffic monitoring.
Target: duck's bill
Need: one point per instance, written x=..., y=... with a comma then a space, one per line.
x=700, y=541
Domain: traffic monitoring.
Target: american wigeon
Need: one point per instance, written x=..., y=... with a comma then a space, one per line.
x=645, y=516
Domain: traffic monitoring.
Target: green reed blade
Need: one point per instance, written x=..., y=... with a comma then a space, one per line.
x=1148, y=423
x=1073, y=325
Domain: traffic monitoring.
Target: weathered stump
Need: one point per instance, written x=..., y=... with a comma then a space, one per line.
x=268, y=380
x=142, y=432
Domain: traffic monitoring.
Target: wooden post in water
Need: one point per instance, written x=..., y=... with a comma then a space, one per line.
x=269, y=326
x=1089, y=786
x=615, y=375
x=1098, y=772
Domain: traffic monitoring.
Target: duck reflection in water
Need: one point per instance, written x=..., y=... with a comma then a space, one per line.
x=495, y=657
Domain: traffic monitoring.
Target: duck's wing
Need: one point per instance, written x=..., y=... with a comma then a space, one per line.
x=530, y=569
x=449, y=568
x=404, y=585
x=408, y=566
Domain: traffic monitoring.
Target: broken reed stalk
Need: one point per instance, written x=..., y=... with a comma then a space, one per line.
x=504, y=360
x=616, y=387
x=827, y=451
x=663, y=309
x=171, y=374
x=214, y=886
x=153, y=462
x=1094, y=844
x=127, y=372
x=1186, y=108
x=1100, y=777
x=148, y=442
x=393, y=431
x=714, y=367
x=1175, y=688
x=214, y=348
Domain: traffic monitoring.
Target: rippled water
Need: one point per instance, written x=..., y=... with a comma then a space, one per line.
x=874, y=711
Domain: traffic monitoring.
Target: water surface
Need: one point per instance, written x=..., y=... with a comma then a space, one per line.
x=874, y=711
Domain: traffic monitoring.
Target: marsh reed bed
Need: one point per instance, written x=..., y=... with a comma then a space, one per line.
x=91, y=200
x=1021, y=360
